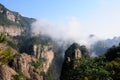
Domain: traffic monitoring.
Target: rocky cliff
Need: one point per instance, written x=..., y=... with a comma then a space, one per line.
x=12, y=30
x=73, y=56
x=6, y=73
x=22, y=57
x=45, y=52
x=16, y=66
x=12, y=23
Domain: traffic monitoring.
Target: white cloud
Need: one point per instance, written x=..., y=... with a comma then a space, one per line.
x=66, y=30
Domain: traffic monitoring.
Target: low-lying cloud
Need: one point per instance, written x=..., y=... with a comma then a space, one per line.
x=69, y=29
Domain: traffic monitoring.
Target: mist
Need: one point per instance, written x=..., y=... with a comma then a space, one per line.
x=63, y=34
x=69, y=29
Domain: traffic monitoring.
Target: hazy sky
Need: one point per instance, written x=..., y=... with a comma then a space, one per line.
x=99, y=17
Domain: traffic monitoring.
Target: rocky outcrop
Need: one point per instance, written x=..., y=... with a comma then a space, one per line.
x=36, y=76
x=77, y=55
x=13, y=17
x=45, y=52
x=19, y=66
x=22, y=63
x=13, y=23
x=6, y=72
x=22, y=66
x=73, y=56
x=10, y=16
x=73, y=52
x=12, y=30
x=26, y=65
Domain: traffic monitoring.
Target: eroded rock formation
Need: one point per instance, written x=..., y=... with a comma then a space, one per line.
x=45, y=52
x=6, y=72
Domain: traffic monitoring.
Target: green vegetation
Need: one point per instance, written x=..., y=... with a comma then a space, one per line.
x=4, y=21
x=3, y=18
x=50, y=75
x=69, y=52
x=26, y=22
x=6, y=56
x=20, y=76
x=37, y=64
x=105, y=67
x=3, y=38
x=25, y=44
x=12, y=44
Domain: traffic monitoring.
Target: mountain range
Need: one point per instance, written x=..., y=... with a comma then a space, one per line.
x=99, y=47
x=24, y=56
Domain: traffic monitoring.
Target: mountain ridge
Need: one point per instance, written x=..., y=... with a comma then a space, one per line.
x=33, y=57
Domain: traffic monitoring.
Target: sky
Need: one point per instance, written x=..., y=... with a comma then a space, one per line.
x=98, y=17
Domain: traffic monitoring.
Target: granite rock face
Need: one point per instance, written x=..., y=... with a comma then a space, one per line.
x=6, y=72
x=22, y=63
x=12, y=30
x=12, y=23
x=10, y=16
x=45, y=52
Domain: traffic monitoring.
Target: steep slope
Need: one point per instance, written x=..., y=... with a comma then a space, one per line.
x=73, y=56
x=12, y=23
x=17, y=66
x=22, y=57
